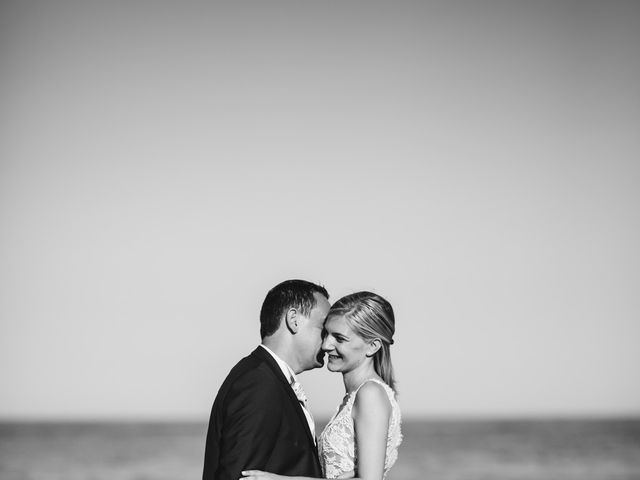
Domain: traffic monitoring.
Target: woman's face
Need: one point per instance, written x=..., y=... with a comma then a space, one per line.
x=346, y=349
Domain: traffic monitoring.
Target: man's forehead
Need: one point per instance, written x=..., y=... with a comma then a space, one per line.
x=321, y=300
x=322, y=306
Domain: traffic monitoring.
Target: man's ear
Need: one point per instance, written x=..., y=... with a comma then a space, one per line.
x=374, y=346
x=291, y=317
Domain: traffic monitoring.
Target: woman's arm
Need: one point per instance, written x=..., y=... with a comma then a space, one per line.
x=371, y=413
x=260, y=475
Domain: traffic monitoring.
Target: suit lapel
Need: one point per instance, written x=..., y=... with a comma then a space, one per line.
x=263, y=355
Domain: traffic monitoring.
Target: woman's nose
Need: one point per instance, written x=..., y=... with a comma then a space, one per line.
x=327, y=344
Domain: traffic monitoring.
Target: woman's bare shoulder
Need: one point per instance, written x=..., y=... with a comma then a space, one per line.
x=372, y=396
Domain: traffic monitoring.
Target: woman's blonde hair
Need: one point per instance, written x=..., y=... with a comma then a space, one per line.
x=371, y=317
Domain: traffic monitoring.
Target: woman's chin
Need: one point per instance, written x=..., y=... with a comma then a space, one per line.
x=332, y=366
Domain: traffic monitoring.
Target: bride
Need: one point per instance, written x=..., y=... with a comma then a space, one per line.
x=361, y=440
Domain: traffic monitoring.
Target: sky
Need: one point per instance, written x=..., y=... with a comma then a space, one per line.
x=164, y=164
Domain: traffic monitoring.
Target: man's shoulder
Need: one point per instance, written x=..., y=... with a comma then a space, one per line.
x=252, y=381
x=252, y=369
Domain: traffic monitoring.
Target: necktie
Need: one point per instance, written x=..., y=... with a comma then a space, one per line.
x=297, y=389
x=302, y=398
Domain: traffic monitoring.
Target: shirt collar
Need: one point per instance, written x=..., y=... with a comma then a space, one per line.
x=286, y=369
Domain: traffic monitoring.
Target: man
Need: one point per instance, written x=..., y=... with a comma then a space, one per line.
x=260, y=419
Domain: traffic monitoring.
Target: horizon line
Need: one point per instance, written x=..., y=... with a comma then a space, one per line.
x=448, y=417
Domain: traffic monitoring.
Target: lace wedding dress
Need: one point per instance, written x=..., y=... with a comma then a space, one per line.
x=336, y=446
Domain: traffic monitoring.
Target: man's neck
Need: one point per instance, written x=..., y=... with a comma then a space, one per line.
x=282, y=351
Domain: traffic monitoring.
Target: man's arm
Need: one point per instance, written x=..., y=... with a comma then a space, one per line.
x=251, y=422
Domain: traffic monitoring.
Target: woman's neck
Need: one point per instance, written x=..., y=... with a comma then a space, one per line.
x=355, y=378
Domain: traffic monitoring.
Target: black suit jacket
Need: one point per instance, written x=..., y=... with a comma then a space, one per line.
x=257, y=423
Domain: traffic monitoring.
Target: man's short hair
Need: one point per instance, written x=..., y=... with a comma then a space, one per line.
x=289, y=294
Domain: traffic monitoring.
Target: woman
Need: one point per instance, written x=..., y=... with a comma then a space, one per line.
x=361, y=440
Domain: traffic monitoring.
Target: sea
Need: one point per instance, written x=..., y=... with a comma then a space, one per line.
x=551, y=449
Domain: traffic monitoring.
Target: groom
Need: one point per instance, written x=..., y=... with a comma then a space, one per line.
x=260, y=419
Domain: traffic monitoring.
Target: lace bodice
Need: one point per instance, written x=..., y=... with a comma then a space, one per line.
x=337, y=448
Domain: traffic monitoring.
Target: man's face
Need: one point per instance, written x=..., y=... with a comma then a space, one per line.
x=310, y=335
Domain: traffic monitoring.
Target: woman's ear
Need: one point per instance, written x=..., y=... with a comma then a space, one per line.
x=291, y=317
x=374, y=346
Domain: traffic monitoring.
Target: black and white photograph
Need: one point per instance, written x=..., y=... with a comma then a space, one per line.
x=287, y=240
